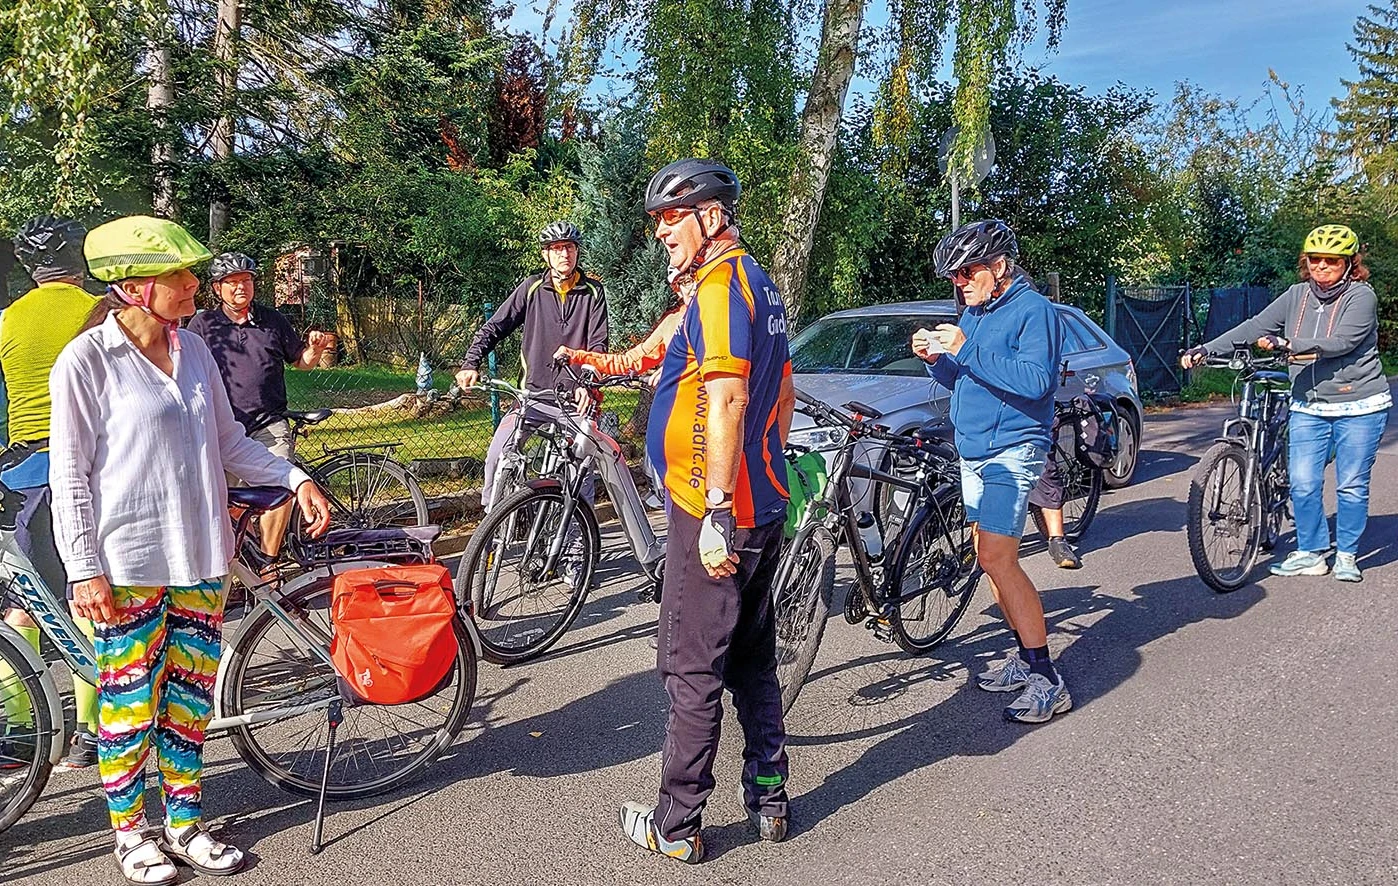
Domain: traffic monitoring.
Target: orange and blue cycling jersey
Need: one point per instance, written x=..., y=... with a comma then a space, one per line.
x=735, y=325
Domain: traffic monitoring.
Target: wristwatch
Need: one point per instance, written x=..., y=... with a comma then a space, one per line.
x=717, y=498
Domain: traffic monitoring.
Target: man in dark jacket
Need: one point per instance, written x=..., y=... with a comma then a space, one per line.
x=560, y=307
x=1000, y=363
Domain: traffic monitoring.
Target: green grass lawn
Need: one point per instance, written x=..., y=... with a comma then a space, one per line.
x=460, y=433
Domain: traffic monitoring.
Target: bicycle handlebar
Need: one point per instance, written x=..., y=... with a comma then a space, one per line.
x=867, y=429
x=1244, y=360
x=594, y=380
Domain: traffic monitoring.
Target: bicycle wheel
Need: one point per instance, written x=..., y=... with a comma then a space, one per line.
x=26, y=730
x=801, y=600
x=1224, y=535
x=934, y=575
x=1082, y=487
x=377, y=747
x=369, y=490
x=520, y=607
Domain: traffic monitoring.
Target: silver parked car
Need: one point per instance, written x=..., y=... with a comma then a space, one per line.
x=865, y=355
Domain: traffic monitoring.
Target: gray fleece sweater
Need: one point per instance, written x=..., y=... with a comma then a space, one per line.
x=1334, y=342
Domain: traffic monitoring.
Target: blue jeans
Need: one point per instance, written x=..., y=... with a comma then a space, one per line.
x=1353, y=442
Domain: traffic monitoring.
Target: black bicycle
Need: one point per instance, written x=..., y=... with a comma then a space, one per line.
x=1239, y=497
x=366, y=486
x=1082, y=482
x=916, y=593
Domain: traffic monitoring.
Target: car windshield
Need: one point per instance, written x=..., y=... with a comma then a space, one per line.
x=864, y=345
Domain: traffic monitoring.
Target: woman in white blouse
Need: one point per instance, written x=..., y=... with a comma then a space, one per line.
x=142, y=434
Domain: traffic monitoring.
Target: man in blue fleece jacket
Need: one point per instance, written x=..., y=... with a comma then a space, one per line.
x=1001, y=363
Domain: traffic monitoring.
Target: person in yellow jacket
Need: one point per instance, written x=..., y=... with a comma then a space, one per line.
x=33, y=331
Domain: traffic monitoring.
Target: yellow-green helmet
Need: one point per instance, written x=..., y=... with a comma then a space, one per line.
x=1331, y=240
x=140, y=246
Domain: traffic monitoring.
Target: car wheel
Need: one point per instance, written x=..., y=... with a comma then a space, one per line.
x=1119, y=473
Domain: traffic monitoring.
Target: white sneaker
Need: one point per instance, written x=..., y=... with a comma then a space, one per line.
x=1040, y=701
x=1009, y=675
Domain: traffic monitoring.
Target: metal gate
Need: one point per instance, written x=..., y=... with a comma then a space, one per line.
x=1229, y=307
x=1152, y=325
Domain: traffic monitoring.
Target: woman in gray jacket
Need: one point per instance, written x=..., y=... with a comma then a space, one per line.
x=1339, y=395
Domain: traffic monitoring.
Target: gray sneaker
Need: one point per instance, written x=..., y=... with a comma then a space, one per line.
x=1302, y=563
x=1346, y=569
x=1009, y=675
x=1039, y=701
x=1062, y=553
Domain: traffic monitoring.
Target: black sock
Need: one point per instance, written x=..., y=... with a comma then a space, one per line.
x=1038, y=661
x=1020, y=644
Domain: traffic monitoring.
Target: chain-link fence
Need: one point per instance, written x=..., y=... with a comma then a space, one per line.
x=384, y=391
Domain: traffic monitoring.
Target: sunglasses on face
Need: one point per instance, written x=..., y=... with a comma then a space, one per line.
x=1330, y=261
x=674, y=215
x=962, y=276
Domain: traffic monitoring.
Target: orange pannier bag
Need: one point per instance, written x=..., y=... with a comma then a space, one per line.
x=395, y=637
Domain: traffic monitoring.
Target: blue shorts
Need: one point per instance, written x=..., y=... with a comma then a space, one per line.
x=996, y=489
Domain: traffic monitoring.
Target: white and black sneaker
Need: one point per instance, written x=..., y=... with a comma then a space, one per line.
x=1008, y=675
x=1039, y=701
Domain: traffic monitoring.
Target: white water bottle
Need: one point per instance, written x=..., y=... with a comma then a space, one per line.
x=872, y=537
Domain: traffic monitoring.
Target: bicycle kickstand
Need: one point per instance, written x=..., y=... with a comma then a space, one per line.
x=334, y=716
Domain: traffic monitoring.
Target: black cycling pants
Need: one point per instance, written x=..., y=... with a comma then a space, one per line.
x=718, y=634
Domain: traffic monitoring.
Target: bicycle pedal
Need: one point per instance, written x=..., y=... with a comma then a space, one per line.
x=882, y=628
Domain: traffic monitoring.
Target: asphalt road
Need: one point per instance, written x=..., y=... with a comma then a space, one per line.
x=1246, y=738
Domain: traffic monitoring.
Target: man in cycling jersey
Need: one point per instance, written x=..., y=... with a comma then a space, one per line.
x=722, y=410
x=33, y=331
x=1000, y=362
x=561, y=306
x=252, y=344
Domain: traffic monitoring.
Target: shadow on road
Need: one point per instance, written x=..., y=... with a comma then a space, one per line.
x=1109, y=633
x=1382, y=542
x=1157, y=463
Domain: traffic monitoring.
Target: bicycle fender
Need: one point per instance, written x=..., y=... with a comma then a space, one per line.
x=545, y=483
x=57, y=744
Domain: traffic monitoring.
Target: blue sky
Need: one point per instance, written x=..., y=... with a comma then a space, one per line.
x=1224, y=46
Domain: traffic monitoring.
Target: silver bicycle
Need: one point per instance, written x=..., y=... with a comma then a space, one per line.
x=530, y=563
x=276, y=681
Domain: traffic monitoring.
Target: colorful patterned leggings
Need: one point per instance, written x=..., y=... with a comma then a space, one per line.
x=156, y=667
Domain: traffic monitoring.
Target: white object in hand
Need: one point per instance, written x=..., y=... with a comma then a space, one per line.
x=925, y=341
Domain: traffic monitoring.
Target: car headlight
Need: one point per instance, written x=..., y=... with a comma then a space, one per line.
x=817, y=438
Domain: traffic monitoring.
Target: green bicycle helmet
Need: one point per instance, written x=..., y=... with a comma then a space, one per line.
x=141, y=246
x=1331, y=240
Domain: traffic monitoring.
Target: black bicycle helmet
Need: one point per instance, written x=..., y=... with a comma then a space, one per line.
x=975, y=243
x=228, y=263
x=690, y=182
x=560, y=232
x=51, y=248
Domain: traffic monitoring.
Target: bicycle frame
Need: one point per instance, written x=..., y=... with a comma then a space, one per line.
x=1263, y=435
x=77, y=652
x=591, y=448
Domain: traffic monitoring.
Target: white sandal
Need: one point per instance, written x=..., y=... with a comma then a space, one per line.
x=142, y=862
x=196, y=847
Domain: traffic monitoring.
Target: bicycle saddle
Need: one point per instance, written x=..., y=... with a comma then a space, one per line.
x=863, y=409
x=314, y=417
x=259, y=498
